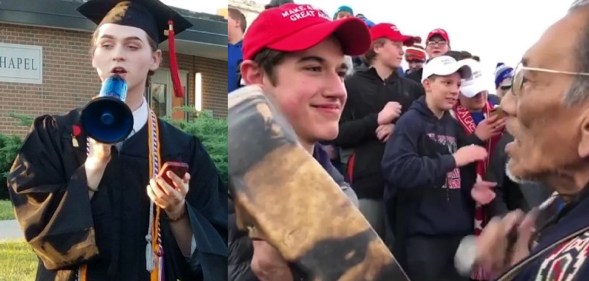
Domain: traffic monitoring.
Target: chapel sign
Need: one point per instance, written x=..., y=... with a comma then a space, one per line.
x=21, y=63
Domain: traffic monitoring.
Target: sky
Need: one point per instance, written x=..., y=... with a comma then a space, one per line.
x=495, y=30
x=209, y=6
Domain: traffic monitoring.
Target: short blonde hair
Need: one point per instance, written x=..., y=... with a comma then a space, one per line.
x=371, y=54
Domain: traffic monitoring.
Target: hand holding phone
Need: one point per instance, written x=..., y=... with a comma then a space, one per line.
x=178, y=168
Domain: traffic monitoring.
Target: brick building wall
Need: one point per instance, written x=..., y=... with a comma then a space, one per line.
x=69, y=80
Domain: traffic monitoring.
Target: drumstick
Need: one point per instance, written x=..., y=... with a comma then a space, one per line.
x=466, y=253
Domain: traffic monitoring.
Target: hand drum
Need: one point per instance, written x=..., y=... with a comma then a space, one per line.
x=293, y=203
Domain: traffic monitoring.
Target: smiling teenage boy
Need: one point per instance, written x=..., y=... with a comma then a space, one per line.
x=295, y=53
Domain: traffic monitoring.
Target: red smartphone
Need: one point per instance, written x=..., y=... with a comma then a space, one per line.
x=178, y=168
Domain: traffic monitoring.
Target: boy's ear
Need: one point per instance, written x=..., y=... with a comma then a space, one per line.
x=427, y=85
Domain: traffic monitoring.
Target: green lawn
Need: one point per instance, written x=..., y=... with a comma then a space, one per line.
x=17, y=261
x=6, y=210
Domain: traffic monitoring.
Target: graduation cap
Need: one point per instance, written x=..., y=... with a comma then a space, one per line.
x=159, y=21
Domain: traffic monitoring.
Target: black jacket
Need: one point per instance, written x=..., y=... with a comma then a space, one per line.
x=415, y=75
x=367, y=95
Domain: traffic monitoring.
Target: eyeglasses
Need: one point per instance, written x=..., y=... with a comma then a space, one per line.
x=517, y=82
x=436, y=43
x=415, y=61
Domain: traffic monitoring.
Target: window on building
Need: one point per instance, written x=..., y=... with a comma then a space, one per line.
x=161, y=98
x=198, y=91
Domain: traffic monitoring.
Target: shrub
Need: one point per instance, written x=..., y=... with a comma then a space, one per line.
x=212, y=132
x=9, y=146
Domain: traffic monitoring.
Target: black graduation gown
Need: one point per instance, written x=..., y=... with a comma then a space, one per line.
x=47, y=184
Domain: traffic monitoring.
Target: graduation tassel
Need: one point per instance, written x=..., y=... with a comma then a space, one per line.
x=155, y=258
x=160, y=248
x=82, y=273
x=178, y=90
x=156, y=274
x=149, y=259
x=161, y=273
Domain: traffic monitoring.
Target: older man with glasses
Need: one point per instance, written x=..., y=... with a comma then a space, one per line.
x=547, y=111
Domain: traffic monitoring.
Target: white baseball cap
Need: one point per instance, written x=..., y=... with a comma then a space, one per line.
x=444, y=66
x=475, y=83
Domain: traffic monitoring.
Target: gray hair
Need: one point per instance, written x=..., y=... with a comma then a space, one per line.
x=579, y=90
x=578, y=3
x=350, y=64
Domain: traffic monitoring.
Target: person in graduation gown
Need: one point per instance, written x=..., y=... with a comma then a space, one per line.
x=87, y=208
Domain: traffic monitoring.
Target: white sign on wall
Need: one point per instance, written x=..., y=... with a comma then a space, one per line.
x=21, y=63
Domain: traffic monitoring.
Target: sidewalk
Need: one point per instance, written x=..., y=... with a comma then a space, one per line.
x=10, y=230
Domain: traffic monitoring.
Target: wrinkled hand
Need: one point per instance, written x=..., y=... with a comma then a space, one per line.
x=490, y=127
x=267, y=263
x=390, y=112
x=172, y=199
x=493, y=252
x=482, y=192
x=384, y=132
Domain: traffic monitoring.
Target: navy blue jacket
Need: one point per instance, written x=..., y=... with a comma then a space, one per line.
x=418, y=166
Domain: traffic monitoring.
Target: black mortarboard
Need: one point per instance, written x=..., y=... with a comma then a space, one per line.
x=152, y=16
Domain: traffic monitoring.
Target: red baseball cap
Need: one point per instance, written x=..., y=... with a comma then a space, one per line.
x=391, y=32
x=439, y=32
x=295, y=27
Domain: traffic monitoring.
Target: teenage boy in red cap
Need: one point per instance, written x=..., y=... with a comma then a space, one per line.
x=377, y=96
x=437, y=43
x=296, y=54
